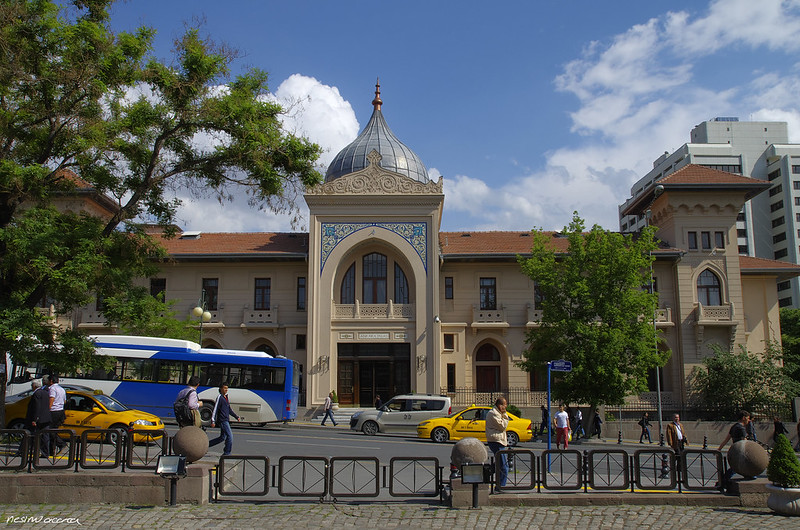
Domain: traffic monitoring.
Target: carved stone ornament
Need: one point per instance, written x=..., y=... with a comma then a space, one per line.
x=374, y=180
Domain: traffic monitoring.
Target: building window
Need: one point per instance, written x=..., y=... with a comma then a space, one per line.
x=262, y=294
x=796, y=184
x=487, y=369
x=348, y=292
x=705, y=239
x=740, y=216
x=448, y=287
x=708, y=289
x=797, y=217
x=449, y=341
x=692, y=240
x=451, y=377
x=488, y=293
x=719, y=239
x=400, y=285
x=796, y=170
x=742, y=232
x=775, y=190
x=301, y=294
x=782, y=253
x=775, y=174
x=782, y=286
x=374, y=284
x=779, y=237
x=778, y=222
x=797, y=201
x=774, y=207
x=300, y=342
x=743, y=249
x=211, y=288
x=158, y=288
x=785, y=302
x=730, y=168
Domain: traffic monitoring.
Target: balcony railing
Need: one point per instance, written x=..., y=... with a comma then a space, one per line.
x=91, y=318
x=534, y=317
x=373, y=311
x=489, y=319
x=710, y=314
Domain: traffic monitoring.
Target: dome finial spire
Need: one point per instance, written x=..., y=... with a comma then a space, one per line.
x=377, y=101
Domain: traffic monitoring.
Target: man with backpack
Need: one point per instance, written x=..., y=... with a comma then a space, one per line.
x=187, y=405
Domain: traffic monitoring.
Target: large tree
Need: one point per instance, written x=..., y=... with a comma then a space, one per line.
x=596, y=312
x=790, y=338
x=82, y=108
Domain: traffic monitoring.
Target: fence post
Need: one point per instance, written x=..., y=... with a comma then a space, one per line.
x=619, y=438
x=705, y=442
x=661, y=439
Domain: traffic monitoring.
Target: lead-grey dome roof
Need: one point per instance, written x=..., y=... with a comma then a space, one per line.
x=396, y=156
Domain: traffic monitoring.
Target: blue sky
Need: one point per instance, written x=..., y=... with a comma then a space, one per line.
x=529, y=110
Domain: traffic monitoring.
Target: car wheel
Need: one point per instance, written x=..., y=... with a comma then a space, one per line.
x=206, y=411
x=16, y=424
x=370, y=428
x=440, y=435
x=114, y=436
x=513, y=438
x=261, y=424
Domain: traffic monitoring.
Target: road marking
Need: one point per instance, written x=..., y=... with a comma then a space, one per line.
x=317, y=444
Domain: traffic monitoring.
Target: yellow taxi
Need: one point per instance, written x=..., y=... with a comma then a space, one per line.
x=471, y=423
x=92, y=410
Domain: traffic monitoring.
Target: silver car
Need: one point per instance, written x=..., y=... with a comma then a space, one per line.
x=401, y=414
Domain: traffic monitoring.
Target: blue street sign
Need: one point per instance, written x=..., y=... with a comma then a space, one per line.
x=561, y=366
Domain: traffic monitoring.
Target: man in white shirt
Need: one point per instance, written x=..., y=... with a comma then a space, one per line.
x=58, y=397
x=561, y=422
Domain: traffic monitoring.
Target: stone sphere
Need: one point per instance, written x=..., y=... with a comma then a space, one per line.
x=190, y=442
x=748, y=458
x=468, y=451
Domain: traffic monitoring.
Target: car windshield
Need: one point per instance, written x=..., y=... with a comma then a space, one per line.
x=110, y=403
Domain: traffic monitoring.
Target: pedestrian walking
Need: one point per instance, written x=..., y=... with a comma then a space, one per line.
x=751, y=429
x=189, y=395
x=58, y=397
x=545, y=420
x=221, y=418
x=578, y=432
x=780, y=428
x=561, y=423
x=737, y=432
x=644, y=423
x=496, y=425
x=676, y=435
x=37, y=418
x=328, y=406
x=597, y=423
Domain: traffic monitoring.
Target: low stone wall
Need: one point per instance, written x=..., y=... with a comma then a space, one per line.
x=112, y=487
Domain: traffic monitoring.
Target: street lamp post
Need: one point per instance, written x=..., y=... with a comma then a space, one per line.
x=657, y=191
x=202, y=312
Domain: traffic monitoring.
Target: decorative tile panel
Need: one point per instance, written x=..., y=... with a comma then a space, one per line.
x=416, y=234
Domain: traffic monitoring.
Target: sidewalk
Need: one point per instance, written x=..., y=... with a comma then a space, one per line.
x=391, y=515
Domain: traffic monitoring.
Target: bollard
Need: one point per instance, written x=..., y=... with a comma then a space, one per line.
x=619, y=438
x=661, y=441
x=705, y=442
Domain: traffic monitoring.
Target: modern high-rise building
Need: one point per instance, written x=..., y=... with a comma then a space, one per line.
x=768, y=225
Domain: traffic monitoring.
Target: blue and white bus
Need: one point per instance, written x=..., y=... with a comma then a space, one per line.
x=150, y=371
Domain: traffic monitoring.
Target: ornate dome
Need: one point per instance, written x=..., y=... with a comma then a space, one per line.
x=396, y=156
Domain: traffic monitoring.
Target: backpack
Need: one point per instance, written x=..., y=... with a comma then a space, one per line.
x=183, y=414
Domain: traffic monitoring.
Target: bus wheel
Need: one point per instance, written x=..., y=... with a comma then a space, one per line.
x=206, y=411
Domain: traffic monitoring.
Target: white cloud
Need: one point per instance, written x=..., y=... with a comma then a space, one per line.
x=316, y=111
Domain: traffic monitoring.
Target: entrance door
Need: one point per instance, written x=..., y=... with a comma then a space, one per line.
x=346, y=380
x=374, y=379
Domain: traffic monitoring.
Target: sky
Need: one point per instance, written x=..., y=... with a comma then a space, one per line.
x=529, y=110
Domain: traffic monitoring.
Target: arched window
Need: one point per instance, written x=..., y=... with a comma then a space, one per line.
x=266, y=348
x=400, y=285
x=348, y=293
x=487, y=369
x=708, y=289
x=374, y=278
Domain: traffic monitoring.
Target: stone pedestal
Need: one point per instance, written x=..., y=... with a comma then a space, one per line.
x=462, y=494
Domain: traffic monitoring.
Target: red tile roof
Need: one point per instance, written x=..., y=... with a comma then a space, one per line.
x=488, y=243
x=694, y=174
x=752, y=265
x=237, y=244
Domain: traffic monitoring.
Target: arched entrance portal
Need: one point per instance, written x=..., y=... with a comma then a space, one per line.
x=487, y=369
x=367, y=370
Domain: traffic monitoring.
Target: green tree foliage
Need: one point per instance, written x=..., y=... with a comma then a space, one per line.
x=77, y=99
x=596, y=313
x=784, y=468
x=731, y=381
x=790, y=338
